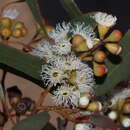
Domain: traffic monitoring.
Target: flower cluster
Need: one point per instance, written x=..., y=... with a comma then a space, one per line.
x=63, y=68
x=67, y=65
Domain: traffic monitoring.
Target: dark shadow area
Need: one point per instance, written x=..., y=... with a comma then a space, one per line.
x=54, y=13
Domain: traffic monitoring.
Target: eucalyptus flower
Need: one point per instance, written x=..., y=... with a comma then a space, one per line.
x=84, y=126
x=61, y=32
x=66, y=96
x=105, y=19
x=63, y=47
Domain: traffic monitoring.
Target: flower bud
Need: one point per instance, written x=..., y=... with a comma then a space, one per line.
x=115, y=36
x=6, y=22
x=49, y=28
x=17, y=33
x=99, y=56
x=6, y=32
x=125, y=121
x=79, y=44
x=102, y=30
x=126, y=108
x=113, y=115
x=83, y=101
x=99, y=69
x=19, y=25
x=94, y=106
x=113, y=48
x=87, y=94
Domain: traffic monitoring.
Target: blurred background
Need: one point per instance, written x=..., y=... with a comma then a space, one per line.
x=54, y=13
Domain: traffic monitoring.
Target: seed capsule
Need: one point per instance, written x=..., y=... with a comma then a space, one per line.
x=99, y=56
x=14, y=94
x=6, y=22
x=113, y=48
x=115, y=36
x=79, y=44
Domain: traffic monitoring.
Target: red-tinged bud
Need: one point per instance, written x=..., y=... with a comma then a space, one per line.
x=49, y=28
x=99, y=56
x=6, y=22
x=17, y=33
x=115, y=36
x=99, y=69
x=6, y=32
x=24, y=31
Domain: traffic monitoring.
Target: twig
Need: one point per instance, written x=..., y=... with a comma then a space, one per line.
x=3, y=80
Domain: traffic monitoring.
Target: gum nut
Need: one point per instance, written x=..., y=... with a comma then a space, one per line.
x=115, y=36
x=83, y=101
x=102, y=31
x=114, y=48
x=79, y=43
x=99, y=56
x=112, y=115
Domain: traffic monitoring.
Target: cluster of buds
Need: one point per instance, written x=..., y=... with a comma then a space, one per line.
x=21, y=105
x=120, y=108
x=10, y=28
x=95, y=49
x=87, y=104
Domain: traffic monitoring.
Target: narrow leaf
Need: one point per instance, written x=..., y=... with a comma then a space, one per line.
x=34, y=122
x=118, y=68
x=20, y=63
x=71, y=8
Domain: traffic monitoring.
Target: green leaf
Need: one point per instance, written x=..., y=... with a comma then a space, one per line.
x=20, y=63
x=86, y=18
x=34, y=122
x=33, y=4
x=49, y=126
x=71, y=8
x=118, y=68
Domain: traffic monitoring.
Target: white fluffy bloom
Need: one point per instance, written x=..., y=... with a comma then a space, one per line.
x=51, y=74
x=86, y=32
x=61, y=32
x=84, y=126
x=12, y=13
x=70, y=62
x=66, y=96
x=63, y=47
x=118, y=95
x=85, y=79
x=44, y=50
x=105, y=19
